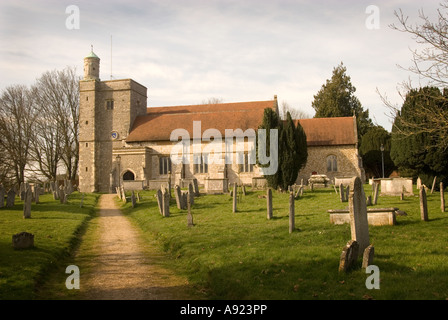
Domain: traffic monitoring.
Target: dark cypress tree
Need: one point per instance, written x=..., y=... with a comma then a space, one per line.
x=415, y=151
x=293, y=153
x=270, y=121
x=292, y=149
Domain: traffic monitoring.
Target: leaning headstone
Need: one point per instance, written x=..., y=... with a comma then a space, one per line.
x=349, y=256
x=159, y=200
x=269, y=203
x=423, y=204
x=2, y=196
x=165, y=202
x=23, y=240
x=367, y=258
x=178, y=196
x=358, y=214
x=189, y=215
x=10, y=198
x=291, y=212
x=376, y=189
x=235, y=190
x=27, y=204
x=196, y=187
x=442, y=198
x=433, y=184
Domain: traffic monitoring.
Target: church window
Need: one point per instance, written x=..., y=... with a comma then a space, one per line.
x=332, y=163
x=200, y=162
x=245, y=165
x=164, y=165
x=110, y=104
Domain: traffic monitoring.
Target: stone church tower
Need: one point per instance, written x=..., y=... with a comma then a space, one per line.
x=107, y=110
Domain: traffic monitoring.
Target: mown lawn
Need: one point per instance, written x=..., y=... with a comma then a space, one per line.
x=56, y=228
x=245, y=256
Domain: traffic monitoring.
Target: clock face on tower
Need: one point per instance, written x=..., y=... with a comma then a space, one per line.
x=114, y=135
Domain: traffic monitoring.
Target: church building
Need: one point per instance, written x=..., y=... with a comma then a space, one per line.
x=122, y=141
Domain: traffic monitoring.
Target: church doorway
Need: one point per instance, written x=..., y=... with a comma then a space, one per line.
x=128, y=176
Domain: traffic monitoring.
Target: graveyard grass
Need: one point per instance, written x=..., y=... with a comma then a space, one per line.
x=56, y=227
x=243, y=255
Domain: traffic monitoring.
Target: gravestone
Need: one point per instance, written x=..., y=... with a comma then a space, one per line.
x=419, y=183
x=23, y=240
x=189, y=215
x=178, y=196
x=36, y=193
x=159, y=200
x=82, y=200
x=341, y=193
x=10, y=198
x=27, y=203
x=184, y=200
x=62, y=195
x=291, y=213
x=359, y=226
x=442, y=198
x=165, y=202
x=2, y=196
x=433, y=184
x=133, y=200
x=423, y=204
x=22, y=191
x=191, y=193
x=349, y=256
x=369, y=201
x=196, y=187
x=269, y=203
x=376, y=188
x=123, y=194
x=367, y=258
x=235, y=190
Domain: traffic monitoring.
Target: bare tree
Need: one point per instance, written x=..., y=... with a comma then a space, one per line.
x=212, y=100
x=17, y=115
x=57, y=94
x=295, y=113
x=430, y=64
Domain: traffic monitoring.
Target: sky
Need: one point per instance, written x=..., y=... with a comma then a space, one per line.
x=187, y=51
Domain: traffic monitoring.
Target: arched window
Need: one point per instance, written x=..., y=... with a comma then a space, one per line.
x=332, y=163
x=128, y=175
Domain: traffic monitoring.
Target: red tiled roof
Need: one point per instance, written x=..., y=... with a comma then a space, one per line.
x=159, y=122
x=329, y=131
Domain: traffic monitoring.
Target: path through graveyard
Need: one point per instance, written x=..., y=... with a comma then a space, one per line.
x=123, y=266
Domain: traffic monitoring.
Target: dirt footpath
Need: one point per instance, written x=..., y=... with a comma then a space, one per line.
x=122, y=267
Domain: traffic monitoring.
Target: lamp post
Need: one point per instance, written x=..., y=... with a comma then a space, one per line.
x=118, y=158
x=382, y=157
